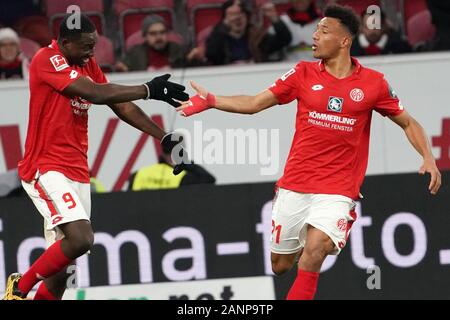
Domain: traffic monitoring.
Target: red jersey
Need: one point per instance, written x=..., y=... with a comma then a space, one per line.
x=57, y=137
x=329, y=152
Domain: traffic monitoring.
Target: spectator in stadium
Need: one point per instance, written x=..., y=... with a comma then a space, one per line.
x=301, y=20
x=12, y=63
x=157, y=52
x=375, y=41
x=159, y=175
x=235, y=39
x=440, y=12
x=96, y=185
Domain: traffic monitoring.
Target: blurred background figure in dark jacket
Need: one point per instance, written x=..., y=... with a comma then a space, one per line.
x=375, y=41
x=440, y=13
x=235, y=39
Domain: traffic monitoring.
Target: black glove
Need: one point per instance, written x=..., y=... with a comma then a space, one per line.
x=161, y=89
x=171, y=144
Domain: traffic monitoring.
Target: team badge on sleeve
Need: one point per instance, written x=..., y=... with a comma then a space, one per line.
x=59, y=62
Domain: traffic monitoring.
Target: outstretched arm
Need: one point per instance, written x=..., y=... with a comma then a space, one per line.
x=246, y=104
x=158, y=88
x=235, y=104
x=134, y=116
x=418, y=138
x=104, y=93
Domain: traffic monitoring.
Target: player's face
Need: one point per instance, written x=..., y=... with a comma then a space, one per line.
x=329, y=38
x=79, y=52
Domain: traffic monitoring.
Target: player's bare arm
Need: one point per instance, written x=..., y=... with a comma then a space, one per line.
x=104, y=93
x=236, y=104
x=418, y=138
x=109, y=93
x=246, y=104
x=135, y=117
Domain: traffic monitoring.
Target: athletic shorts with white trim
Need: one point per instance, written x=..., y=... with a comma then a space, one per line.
x=293, y=211
x=59, y=200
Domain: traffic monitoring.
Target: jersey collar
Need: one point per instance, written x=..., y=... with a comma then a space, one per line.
x=355, y=61
x=54, y=46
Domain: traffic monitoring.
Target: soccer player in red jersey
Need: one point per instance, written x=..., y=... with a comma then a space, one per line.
x=65, y=80
x=313, y=209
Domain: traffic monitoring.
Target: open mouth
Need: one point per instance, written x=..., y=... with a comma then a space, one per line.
x=314, y=47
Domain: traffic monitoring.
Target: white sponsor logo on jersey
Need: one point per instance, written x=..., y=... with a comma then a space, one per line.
x=317, y=87
x=332, y=118
x=73, y=74
x=357, y=95
x=80, y=106
x=59, y=62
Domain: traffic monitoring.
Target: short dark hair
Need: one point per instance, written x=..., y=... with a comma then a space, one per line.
x=346, y=16
x=67, y=31
x=244, y=7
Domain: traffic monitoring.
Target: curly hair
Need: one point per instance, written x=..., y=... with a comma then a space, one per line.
x=346, y=15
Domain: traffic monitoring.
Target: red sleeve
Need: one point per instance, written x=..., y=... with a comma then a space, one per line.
x=388, y=103
x=286, y=87
x=55, y=71
x=97, y=74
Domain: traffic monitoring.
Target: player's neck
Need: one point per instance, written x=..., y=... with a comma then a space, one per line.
x=340, y=66
x=61, y=49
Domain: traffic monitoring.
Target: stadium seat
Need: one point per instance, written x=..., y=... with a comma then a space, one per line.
x=56, y=10
x=419, y=28
x=122, y=5
x=136, y=38
x=203, y=14
x=104, y=52
x=29, y=47
x=412, y=7
x=34, y=28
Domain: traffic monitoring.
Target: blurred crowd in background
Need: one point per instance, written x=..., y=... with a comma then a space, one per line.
x=139, y=35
